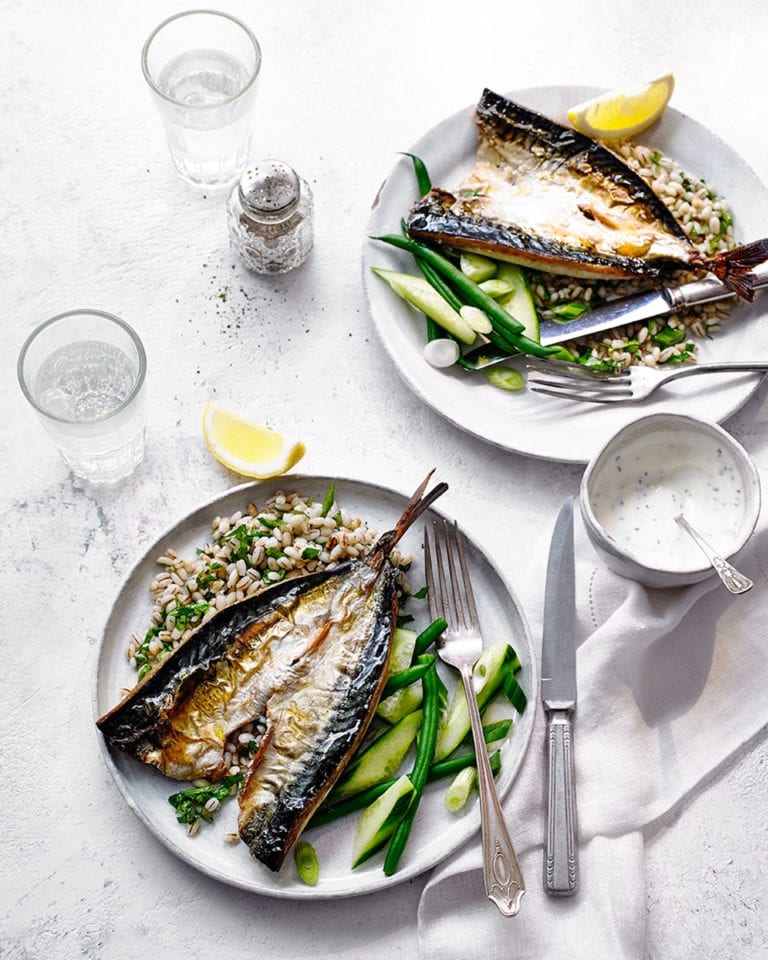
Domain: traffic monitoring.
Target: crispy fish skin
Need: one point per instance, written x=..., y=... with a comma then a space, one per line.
x=315, y=722
x=545, y=196
x=181, y=714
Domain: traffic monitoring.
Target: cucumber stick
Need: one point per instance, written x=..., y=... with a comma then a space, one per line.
x=398, y=704
x=403, y=645
x=423, y=296
x=488, y=674
x=379, y=821
x=380, y=761
x=519, y=302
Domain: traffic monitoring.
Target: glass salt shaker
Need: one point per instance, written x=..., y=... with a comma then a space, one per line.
x=270, y=217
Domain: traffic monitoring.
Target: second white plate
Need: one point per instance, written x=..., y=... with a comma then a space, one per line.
x=522, y=422
x=436, y=833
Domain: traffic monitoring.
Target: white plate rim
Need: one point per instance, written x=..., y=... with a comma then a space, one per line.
x=174, y=839
x=595, y=425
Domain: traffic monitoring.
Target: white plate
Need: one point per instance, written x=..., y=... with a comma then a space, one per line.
x=523, y=422
x=436, y=833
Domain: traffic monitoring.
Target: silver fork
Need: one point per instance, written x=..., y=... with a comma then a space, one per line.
x=451, y=596
x=572, y=381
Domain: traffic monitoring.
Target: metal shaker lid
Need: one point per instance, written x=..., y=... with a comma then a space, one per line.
x=269, y=190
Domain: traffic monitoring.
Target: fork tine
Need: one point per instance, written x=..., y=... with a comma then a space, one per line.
x=575, y=371
x=448, y=601
x=431, y=596
x=567, y=393
x=474, y=619
x=455, y=589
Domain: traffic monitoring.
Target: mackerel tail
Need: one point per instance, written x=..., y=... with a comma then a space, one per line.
x=418, y=503
x=734, y=267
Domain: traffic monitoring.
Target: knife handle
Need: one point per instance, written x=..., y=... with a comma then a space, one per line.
x=709, y=289
x=560, y=854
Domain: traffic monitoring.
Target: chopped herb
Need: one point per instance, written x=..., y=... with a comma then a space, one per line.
x=420, y=594
x=190, y=804
x=404, y=619
x=337, y=518
x=269, y=524
x=311, y=553
x=328, y=502
x=274, y=553
x=266, y=578
x=655, y=158
x=631, y=346
x=694, y=231
x=679, y=357
x=607, y=366
x=189, y=613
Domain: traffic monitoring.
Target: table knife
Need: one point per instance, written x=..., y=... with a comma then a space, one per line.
x=618, y=313
x=558, y=695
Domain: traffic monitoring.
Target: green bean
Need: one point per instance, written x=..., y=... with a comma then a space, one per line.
x=422, y=174
x=438, y=771
x=425, y=752
x=405, y=677
x=504, y=324
x=429, y=635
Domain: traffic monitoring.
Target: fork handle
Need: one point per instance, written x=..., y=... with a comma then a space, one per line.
x=560, y=855
x=504, y=883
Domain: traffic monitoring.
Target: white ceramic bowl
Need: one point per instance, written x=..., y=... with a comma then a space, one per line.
x=651, y=471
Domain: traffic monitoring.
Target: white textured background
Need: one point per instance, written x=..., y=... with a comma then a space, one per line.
x=91, y=214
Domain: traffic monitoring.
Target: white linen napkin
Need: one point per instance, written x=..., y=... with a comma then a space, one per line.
x=670, y=684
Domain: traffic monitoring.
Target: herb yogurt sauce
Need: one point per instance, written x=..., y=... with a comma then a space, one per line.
x=641, y=491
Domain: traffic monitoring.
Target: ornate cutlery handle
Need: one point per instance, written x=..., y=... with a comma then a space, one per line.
x=504, y=883
x=560, y=855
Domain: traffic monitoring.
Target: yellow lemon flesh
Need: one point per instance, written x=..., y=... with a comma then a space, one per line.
x=623, y=113
x=248, y=448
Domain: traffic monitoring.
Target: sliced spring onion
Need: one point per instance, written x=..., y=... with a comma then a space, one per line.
x=477, y=319
x=477, y=267
x=459, y=791
x=307, y=864
x=496, y=288
x=569, y=311
x=441, y=352
x=505, y=378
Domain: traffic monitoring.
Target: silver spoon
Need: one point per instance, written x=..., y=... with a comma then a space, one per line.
x=734, y=581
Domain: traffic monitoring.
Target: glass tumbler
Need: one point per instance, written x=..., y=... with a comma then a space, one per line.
x=83, y=373
x=201, y=67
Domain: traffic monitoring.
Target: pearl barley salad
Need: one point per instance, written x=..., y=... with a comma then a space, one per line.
x=288, y=537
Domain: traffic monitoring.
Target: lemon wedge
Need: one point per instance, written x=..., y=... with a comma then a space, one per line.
x=623, y=113
x=248, y=448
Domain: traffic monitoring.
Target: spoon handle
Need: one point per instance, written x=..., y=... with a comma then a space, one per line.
x=733, y=581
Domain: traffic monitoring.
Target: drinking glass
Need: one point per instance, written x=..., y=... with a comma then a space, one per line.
x=201, y=67
x=83, y=372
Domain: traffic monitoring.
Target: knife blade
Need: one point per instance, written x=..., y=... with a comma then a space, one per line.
x=636, y=308
x=558, y=695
